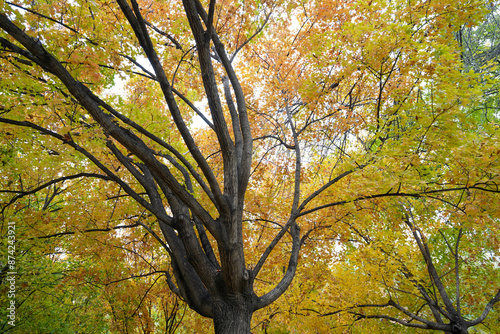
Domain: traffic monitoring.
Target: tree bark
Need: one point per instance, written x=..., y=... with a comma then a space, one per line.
x=232, y=318
x=458, y=330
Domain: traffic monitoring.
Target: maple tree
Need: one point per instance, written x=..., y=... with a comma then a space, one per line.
x=311, y=111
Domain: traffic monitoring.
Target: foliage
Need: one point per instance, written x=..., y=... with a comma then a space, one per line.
x=346, y=164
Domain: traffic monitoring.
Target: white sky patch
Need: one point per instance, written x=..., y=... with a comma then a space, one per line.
x=198, y=122
x=118, y=88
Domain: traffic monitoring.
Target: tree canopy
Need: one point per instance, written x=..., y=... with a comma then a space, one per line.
x=310, y=166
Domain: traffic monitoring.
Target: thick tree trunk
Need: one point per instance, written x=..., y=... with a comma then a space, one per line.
x=232, y=318
x=458, y=329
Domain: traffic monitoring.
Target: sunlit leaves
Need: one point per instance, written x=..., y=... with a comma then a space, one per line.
x=366, y=130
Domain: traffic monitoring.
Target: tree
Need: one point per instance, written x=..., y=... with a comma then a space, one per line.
x=338, y=104
x=451, y=290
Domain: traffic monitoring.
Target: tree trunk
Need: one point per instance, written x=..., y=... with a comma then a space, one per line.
x=232, y=318
x=458, y=329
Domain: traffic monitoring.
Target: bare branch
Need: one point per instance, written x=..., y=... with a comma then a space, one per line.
x=21, y=194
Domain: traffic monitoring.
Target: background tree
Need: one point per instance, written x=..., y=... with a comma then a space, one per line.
x=452, y=289
x=338, y=104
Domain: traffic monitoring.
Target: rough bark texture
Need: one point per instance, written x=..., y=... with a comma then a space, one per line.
x=232, y=318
